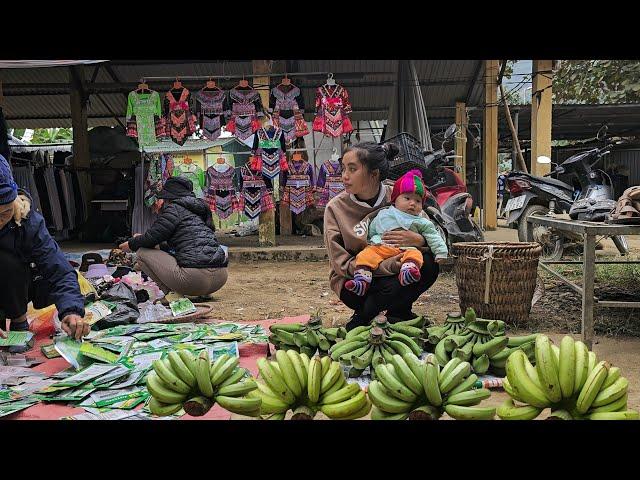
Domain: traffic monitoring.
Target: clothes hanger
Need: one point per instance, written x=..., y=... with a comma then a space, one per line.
x=285, y=81
x=297, y=156
x=142, y=86
x=267, y=122
x=187, y=160
x=244, y=83
x=211, y=85
x=330, y=80
x=334, y=156
x=177, y=84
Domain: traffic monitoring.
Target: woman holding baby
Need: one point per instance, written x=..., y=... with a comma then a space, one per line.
x=383, y=253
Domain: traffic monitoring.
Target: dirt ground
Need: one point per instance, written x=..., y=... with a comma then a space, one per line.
x=273, y=290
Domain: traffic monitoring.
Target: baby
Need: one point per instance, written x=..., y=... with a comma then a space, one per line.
x=407, y=196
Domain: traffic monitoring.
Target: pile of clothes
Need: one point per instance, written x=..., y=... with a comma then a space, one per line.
x=117, y=289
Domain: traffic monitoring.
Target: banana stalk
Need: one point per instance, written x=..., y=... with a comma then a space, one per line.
x=197, y=406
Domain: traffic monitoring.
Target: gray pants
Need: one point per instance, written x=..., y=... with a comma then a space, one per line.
x=169, y=276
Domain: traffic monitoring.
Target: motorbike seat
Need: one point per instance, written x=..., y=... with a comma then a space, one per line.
x=548, y=180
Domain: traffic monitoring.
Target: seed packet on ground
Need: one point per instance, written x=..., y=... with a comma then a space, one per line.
x=119, y=398
x=69, y=395
x=97, y=311
x=69, y=349
x=98, y=353
x=9, y=408
x=182, y=306
x=119, y=373
x=88, y=374
x=98, y=414
x=49, y=351
x=218, y=349
x=16, y=339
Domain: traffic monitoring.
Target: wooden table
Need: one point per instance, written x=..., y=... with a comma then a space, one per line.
x=589, y=232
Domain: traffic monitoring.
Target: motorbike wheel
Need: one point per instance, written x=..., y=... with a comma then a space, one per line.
x=552, y=244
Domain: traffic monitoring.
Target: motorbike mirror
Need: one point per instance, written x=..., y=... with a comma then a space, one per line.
x=450, y=131
x=602, y=132
x=543, y=160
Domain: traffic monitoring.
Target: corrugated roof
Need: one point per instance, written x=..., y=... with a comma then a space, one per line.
x=45, y=103
x=577, y=121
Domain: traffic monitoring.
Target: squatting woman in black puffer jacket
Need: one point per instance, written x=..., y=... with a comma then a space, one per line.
x=189, y=260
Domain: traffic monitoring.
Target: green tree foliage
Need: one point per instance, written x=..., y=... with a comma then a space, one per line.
x=597, y=81
x=52, y=135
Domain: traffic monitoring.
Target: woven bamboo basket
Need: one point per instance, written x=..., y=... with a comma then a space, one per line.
x=497, y=279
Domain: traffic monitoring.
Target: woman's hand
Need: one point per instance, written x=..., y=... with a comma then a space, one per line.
x=403, y=238
x=124, y=247
x=75, y=326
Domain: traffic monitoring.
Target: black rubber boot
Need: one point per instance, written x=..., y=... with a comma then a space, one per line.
x=354, y=321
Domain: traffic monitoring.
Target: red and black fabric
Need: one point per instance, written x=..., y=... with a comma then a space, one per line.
x=181, y=122
x=332, y=111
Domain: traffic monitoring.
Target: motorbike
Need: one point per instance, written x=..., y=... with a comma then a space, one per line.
x=448, y=204
x=589, y=197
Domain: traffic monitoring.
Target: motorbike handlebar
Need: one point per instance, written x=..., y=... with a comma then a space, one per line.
x=558, y=170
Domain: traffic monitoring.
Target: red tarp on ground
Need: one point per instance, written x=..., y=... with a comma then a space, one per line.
x=249, y=354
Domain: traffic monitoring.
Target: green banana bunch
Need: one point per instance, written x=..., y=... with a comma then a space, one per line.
x=479, y=341
x=373, y=345
x=568, y=379
x=407, y=387
x=182, y=380
x=306, y=386
x=306, y=338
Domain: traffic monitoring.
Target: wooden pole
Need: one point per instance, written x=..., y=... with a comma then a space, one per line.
x=490, y=145
x=78, y=103
x=461, y=140
x=267, y=221
x=541, y=112
x=514, y=135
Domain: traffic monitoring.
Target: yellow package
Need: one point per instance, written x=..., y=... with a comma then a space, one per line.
x=85, y=286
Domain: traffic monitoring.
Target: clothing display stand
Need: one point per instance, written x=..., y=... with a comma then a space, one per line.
x=263, y=81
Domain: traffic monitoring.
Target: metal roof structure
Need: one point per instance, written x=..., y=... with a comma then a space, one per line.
x=39, y=97
x=576, y=121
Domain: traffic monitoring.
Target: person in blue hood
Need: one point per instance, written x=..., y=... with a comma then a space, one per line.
x=32, y=266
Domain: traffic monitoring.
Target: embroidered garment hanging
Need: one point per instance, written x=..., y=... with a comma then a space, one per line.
x=245, y=106
x=194, y=173
x=287, y=104
x=298, y=186
x=161, y=167
x=269, y=152
x=211, y=107
x=255, y=197
x=329, y=182
x=144, y=117
x=332, y=111
x=180, y=121
x=221, y=191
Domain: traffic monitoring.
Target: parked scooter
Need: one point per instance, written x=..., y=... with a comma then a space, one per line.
x=590, y=197
x=448, y=204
